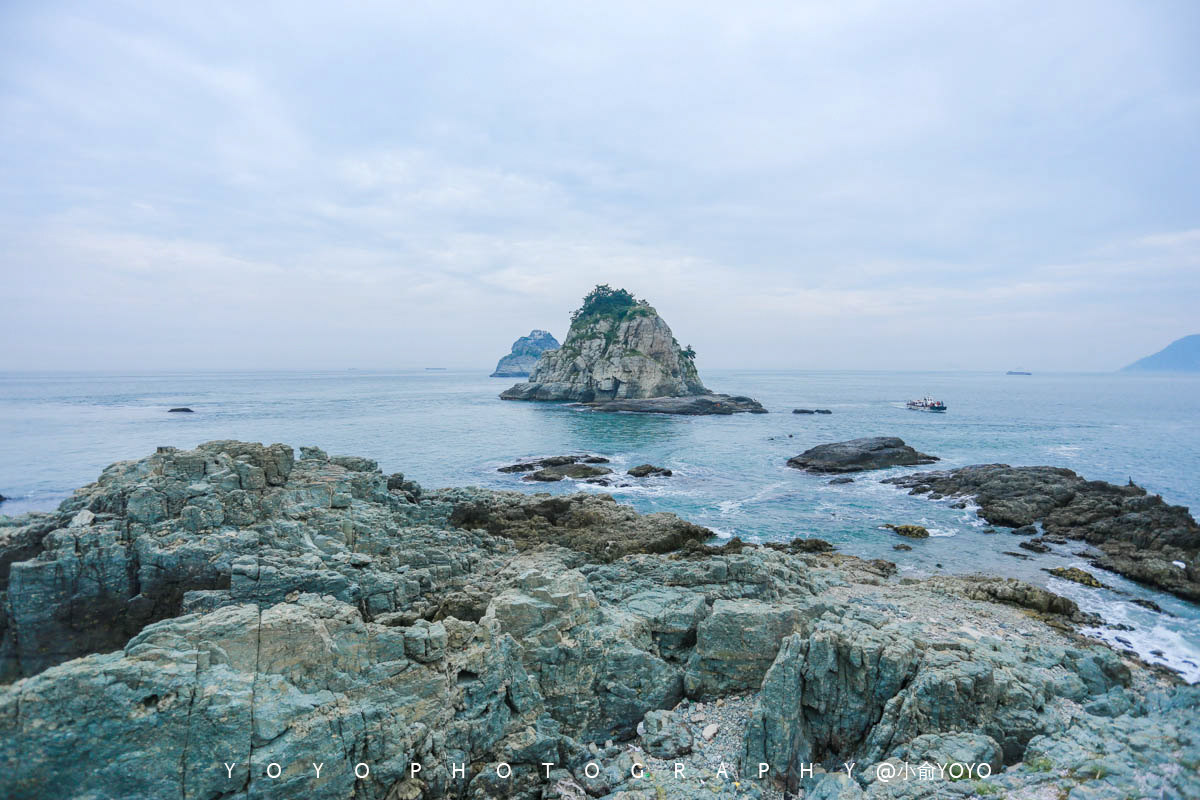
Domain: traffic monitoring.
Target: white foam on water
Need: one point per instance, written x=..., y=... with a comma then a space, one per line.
x=726, y=507
x=721, y=534
x=1156, y=639
x=1176, y=653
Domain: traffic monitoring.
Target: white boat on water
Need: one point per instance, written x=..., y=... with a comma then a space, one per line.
x=926, y=404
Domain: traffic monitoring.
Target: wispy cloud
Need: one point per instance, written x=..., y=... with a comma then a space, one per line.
x=798, y=186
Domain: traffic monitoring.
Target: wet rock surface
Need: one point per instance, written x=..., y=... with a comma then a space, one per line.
x=858, y=455
x=553, y=461
x=647, y=470
x=1138, y=535
x=234, y=604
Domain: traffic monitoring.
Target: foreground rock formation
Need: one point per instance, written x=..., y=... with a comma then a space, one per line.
x=1138, y=535
x=216, y=623
x=525, y=353
x=619, y=355
x=858, y=455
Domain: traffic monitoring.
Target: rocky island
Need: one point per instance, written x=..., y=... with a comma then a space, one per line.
x=525, y=353
x=236, y=622
x=619, y=355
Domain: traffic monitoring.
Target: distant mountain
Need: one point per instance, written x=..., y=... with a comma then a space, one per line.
x=1181, y=355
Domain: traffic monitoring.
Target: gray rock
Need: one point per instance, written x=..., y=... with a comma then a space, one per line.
x=525, y=353
x=646, y=470
x=856, y=455
x=593, y=524
x=835, y=786
x=552, y=474
x=1139, y=535
x=667, y=735
x=858, y=686
x=736, y=644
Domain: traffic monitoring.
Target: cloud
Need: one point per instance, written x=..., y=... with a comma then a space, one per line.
x=316, y=186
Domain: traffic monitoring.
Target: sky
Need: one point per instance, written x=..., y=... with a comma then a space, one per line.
x=857, y=185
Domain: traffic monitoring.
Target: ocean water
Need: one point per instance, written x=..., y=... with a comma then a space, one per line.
x=447, y=428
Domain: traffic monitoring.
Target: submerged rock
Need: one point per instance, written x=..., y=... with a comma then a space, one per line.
x=619, y=355
x=857, y=455
x=180, y=410
x=525, y=353
x=1138, y=535
x=811, y=411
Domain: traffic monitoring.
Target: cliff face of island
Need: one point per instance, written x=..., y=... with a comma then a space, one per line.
x=525, y=353
x=1181, y=355
x=619, y=350
x=218, y=622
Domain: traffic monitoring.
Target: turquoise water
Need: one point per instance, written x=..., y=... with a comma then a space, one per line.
x=448, y=428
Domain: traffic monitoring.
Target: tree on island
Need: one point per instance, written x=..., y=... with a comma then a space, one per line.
x=604, y=301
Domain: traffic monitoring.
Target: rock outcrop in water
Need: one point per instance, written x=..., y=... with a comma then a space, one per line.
x=619, y=355
x=525, y=354
x=1138, y=535
x=213, y=623
x=858, y=455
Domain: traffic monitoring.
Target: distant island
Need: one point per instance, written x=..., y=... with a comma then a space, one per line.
x=1181, y=355
x=525, y=353
x=620, y=355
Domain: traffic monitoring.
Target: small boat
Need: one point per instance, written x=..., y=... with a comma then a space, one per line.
x=1018, y=372
x=926, y=404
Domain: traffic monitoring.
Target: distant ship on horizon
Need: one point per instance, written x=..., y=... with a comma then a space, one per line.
x=1018, y=372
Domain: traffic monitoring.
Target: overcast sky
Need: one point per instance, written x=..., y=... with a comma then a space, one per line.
x=851, y=184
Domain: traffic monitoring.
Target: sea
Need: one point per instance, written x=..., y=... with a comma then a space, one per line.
x=449, y=428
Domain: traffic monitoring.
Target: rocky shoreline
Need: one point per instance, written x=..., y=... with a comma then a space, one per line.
x=1136, y=534
x=206, y=623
